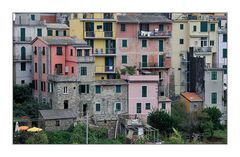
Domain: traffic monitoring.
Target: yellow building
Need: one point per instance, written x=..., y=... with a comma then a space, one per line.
x=99, y=30
x=196, y=33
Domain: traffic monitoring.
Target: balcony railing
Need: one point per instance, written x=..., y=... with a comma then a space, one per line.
x=108, y=52
x=88, y=15
x=151, y=65
x=22, y=58
x=99, y=34
x=61, y=78
x=202, y=50
x=105, y=69
x=22, y=39
x=85, y=59
x=154, y=34
x=108, y=16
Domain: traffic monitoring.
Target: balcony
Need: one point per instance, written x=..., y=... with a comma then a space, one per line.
x=88, y=16
x=98, y=34
x=22, y=39
x=61, y=78
x=108, y=16
x=105, y=69
x=202, y=50
x=19, y=58
x=85, y=59
x=154, y=34
x=151, y=65
x=109, y=52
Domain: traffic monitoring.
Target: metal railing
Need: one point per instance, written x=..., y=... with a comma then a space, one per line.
x=85, y=59
x=151, y=65
x=22, y=58
x=202, y=49
x=99, y=34
x=108, y=51
x=105, y=69
x=22, y=39
x=149, y=34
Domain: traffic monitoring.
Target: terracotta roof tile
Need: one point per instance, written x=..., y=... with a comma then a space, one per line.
x=191, y=96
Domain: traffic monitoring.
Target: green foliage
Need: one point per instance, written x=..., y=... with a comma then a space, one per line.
x=38, y=138
x=21, y=93
x=175, y=138
x=215, y=115
x=141, y=141
x=59, y=137
x=161, y=121
x=131, y=70
x=20, y=137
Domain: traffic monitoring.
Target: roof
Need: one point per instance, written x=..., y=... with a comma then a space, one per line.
x=164, y=99
x=111, y=82
x=146, y=18
x=57, y=26
x=57, y=114
x=61, y=40
x=190, y=96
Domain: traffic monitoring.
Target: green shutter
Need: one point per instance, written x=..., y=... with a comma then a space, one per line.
x=204, y=26
x=118, y=106
x=164, y=105
x=33, y=17
x=224, y=37
x=160, y=45
x=124, y=59
x=79, y=52
x=23, y=53
x=214, y=75
x=83, y=70
x=212, y=28
x=214, y=98
x=87, y=88
x=98, y=89
x=147, y=106
x=59, y=50
x=161, y=27
x=144, y=91
x=118, y=88
x=225, y=69
x=86, y=52
x=144, y=43
x=144, y=61
x=49, y=32
x=22, y=32
x=39, y=32
x=224, y=53
x=139, y=107
x=124, y=43
x=23, y=66
x=98, y=107
x=161, y=61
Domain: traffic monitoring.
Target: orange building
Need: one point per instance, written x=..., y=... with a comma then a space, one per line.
x=191, y=100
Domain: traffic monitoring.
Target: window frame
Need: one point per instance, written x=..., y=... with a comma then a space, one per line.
x=124, y=59
x=83, y=71
x=23, y=66
x=100, y=89
x=122, y=27
x=214, y=101
x=144, y=45
x=65, y=90
x=97, y=103
x=118, y=88
x=124, y=43
x=146, y=108
x=58, y=52
x=214, y=75
x=116, y=107
x=142, y=94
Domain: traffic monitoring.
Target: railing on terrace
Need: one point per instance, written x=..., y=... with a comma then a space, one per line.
x=99, y=34
x=22, y=39
x=149, y=34
x=85, y=59
x=202, y=49
x=23, y=58
x=105, y=69
x=108, y=51
x=151, y=65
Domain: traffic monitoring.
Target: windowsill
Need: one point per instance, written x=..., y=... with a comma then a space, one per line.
x=65, y=93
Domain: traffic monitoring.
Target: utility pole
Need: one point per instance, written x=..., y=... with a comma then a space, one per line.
x=87, y=129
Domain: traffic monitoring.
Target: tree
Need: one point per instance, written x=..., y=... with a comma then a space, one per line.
x=131, y=70
x=21, y=93
x=161, y=121
x=176, y=138
x=38, y=138
x=215, y=115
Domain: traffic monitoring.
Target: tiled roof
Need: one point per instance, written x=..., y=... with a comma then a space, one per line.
x=57, y=26
x=127, y=19
x=57, y=114
x=191, y=96
x=146, y=18
x=110, y=82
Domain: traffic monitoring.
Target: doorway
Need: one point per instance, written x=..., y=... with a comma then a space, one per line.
x=84, y=109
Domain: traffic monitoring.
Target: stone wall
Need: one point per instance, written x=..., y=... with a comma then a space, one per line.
x=50, y=125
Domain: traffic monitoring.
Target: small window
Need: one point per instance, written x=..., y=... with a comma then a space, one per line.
x=22, y=81
x=214, y=98
x=39, y=32
x=33, y=17
x=139, y=108
x=163, y=105
x=83, y=71
x=98, y=107
x=124, y=59
x=57, y=123
x=147, y=106
x=99, y=26
x=43, y=51
x=59, y=50
x=98, y=89
x=65, y=90
x=124, y=43
x=83, y=89
x=35, y=67
x=118, y=107
x=65, y=104
x=211, y=42
x=43, y=68
x=86, y=51
x=161, y=28
x=214, y=75
x=225, y=69
x=79, y=52
x=123, y=27
x=204, y=26
x=224, y=37
x=118, y=88
x=181, y=26
x=56, y=33
x=212, y=27
x=181, y=41
x=49, y=32
x=71, y=53
x=72, y=70
x=23, y=66
x=144, y=91
x=194, y=28
x=35, y=50
x=160, y=45
x=144, y=43
x=64, y=33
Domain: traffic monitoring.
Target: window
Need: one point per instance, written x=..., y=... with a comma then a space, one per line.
x=161, y=28
x=214, y=75
x=71, y=53
x=23, y=53
x=144, y=43
x=65, y=103
x=225, y=69
x=123, y=27
x=33, y=17
x=58, y=69
x=56, y=33
x=49, y=32
x=23, y=66
x=98, y=107
x=35, y=50
x=118, y=88
x=83, y=70
x=35, y=84
x=98, y=89
x=64, y=33
x=57, y=123
x=118, y=106
x=50, y=87
x=65, y=90
x=79, y=52
x=204, y=26
x=124, y=59
x=72, y=70
x=59, y=50
x=211, y=42
x=99, y=26
x=43, y=51
x=35, y=67
x=86, y=52
x=83, y=89
x=41, y=85
x=224, y=53
x=181, y=41
x=181, y=26
x=144, y=91
x=224, y=37
x=163, y=105
x=22, y=34
x=214, y=98
x=22, y=81
x=160, y=45
x=39, y=32
x=43, y=68
x=212, y=27
x=194, y=28
x=124, y=43
x=161, y=61
x=139, y=108
x=204, y=41
x=147, y=106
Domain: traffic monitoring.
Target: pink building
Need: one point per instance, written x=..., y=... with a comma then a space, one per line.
x=58, y=58
x=143, y=95
x=144, y=41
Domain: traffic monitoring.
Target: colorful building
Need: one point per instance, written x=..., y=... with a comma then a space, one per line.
x=98, y=29
x=192, y=101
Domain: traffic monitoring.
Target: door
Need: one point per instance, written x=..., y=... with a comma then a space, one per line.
x=160, y=61
x=22, y=34
x=144, y=61
x=84, y=109
x=109, y=64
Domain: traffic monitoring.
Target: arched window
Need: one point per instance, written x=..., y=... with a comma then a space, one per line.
x=23, y=53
